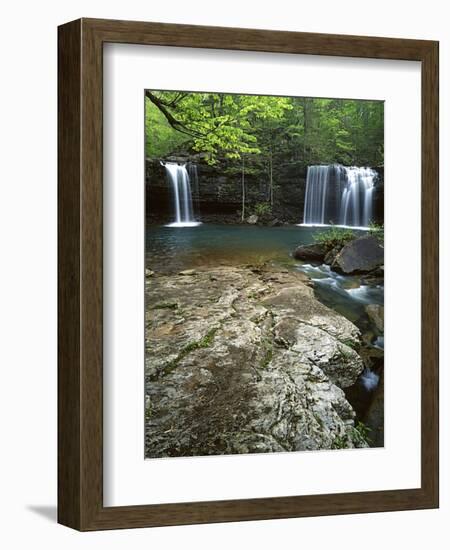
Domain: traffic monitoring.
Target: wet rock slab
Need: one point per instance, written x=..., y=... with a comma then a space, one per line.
x=245, y=360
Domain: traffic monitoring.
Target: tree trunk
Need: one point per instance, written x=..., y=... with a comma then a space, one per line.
x=243, y=189
x=271, y=178
x=305, y=127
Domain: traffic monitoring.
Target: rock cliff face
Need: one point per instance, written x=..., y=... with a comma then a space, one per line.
x=218, y=195
x=245, y=360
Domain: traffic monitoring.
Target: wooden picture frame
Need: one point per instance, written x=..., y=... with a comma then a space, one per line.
x=80, y=272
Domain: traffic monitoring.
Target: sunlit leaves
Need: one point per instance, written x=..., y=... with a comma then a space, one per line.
x=219, y=124
x=309, y=130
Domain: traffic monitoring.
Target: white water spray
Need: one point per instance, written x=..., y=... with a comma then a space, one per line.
x=339, y=195
x=182, y=195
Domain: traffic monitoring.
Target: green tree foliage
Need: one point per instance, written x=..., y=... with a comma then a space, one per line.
x=160, y=138
x=327, y=131
x=270, y=130
x=215, y=124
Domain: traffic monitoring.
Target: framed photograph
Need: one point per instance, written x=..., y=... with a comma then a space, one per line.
x=248, y=274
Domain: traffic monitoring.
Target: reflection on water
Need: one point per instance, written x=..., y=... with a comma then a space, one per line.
x=172, y=249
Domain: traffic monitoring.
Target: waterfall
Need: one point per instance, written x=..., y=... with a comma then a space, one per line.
x=182, y=196
x=339, y=195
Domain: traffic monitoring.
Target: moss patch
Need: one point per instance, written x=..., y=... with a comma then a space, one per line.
x=268, y=353
x=204, y=342
x=350, y=343
x=166, y=305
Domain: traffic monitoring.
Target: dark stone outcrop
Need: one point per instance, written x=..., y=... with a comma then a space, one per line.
x=310, y=253
x=275, y=223
x=374, y=418
x=217, y=193
x=360, y=256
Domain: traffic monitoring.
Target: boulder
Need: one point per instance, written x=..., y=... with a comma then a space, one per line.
x=248, y=362
x=359, y=256
x=319, y=335
x=253, y=219
x=310, y=253
x=376, y=315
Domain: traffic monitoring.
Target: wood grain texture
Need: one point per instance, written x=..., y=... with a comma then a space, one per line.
x=430, y=273
x=80, y=242
x=69, y=245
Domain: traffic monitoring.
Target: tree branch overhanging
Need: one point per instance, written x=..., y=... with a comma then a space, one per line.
x=176, y=124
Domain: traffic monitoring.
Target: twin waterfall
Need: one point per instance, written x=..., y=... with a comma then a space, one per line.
x=335, y=194
x=182, y=195
x=339, y=195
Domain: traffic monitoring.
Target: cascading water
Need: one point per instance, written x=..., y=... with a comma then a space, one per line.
x=339, y=195
x=182, y=195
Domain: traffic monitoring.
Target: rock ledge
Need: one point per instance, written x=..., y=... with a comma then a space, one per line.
x=245, y=360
